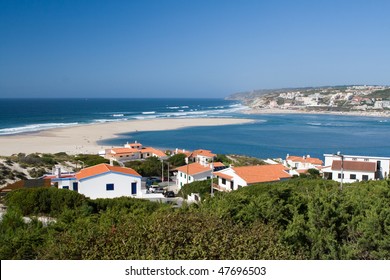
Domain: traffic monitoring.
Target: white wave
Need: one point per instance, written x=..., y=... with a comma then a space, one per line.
x=109, y=120
x=145, y=117
x=34, y=128
x=117, y=115
x=180, y=110
x=185, y=107
x=174, y=107
x=315, y=123
x=149, y=113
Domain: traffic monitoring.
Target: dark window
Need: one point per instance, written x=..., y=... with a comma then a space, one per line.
x=352, y=176
x=365, y=177
x=339, y=176
x=76, y=186
x=109, y=187
x=65, y=187
x=223, y=181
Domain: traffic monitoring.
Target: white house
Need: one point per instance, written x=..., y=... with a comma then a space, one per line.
x=196, y=172
x=356, y=168
x=132, y=151
x=234, y=178
x=192, y=172
x=203, y=156
x=103, y=181
x=302, y=164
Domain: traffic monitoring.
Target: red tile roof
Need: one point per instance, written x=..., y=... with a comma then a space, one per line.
x=262, y=173
x=123, y=151
x=218, y=164
x=352, y=165
x=223, y=175
x=315, y=161
x=204, y=153
x=153, y=151
x=104, y=168
x=193, y=168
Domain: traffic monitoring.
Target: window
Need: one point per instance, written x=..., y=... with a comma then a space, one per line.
x=189, y=178
x=109, y=187
x=352, y=176
x=365, y=177
x=65, y=187
x=339, y=176
x=223, y=181
x=76, y=186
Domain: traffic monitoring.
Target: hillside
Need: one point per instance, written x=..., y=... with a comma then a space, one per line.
x=374, y=99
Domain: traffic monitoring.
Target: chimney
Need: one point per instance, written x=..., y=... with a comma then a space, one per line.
x=111, y=162
x=58, y=172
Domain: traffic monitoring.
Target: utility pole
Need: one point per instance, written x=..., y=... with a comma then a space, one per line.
x=342, y=168
x=212, y=187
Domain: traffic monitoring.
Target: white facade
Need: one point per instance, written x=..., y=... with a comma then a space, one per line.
x=233, y=183
x=181, y=177
x=106, y=185
x=377, y=168
x=110, y=185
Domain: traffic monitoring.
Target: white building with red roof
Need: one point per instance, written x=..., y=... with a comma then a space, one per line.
x=302, y=164
x=103, y=181
x=133, y=151
x=355, y=168
x=234, y=178
x=195, y=172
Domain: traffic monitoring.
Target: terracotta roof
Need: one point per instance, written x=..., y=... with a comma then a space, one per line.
x=262, y=173
x=352, y=165
x=193, y=168
x=134, y=144
x=315, y=161
x=185, y=152
x=153, y=151
x=204, y=153
x=104, y=168
x=223, y=175
x=218, y=164
x=123, y=150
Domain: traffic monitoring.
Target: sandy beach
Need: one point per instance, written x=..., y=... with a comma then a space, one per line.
x=83, y=138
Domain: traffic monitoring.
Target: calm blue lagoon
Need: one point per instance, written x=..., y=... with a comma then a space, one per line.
x=268, y=136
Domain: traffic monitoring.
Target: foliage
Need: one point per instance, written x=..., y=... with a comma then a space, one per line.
x=201, y=187
x=177, y=160
x=43, y=200
x=295, y=219
x=151, y=166
x=91, y=160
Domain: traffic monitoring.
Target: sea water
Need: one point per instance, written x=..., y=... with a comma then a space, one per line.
x=274, y=135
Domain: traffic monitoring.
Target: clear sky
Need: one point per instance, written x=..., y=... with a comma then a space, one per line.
x=143, y=48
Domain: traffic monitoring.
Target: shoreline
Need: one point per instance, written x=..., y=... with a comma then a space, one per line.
x=269, y=111
x=84, y=138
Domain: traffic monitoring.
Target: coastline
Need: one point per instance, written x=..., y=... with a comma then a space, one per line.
x=83, y=138
x=269, y=111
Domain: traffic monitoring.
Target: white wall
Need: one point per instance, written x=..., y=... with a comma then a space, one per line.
x=181, y=178
x=347, y=174
x=385, y=167
x=237, y=181
x=95, y=187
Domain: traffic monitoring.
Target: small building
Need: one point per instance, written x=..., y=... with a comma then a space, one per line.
x=303, y=164
x=234, y=178
x=196, y=172
x=192, y=172
x=133, y=151
x=203, y=156
x=103, y=181
x=355, y=168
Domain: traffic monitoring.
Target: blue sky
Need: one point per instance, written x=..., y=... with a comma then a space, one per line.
x=211, y=48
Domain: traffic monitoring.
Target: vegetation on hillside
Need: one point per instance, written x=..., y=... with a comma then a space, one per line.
x=295, y=219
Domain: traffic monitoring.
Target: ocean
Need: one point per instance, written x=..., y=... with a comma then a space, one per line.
x=271, y=136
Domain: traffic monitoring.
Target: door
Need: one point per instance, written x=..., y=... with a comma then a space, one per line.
x=134, y=188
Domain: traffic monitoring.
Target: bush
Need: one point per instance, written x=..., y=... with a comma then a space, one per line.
x=49, y=201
